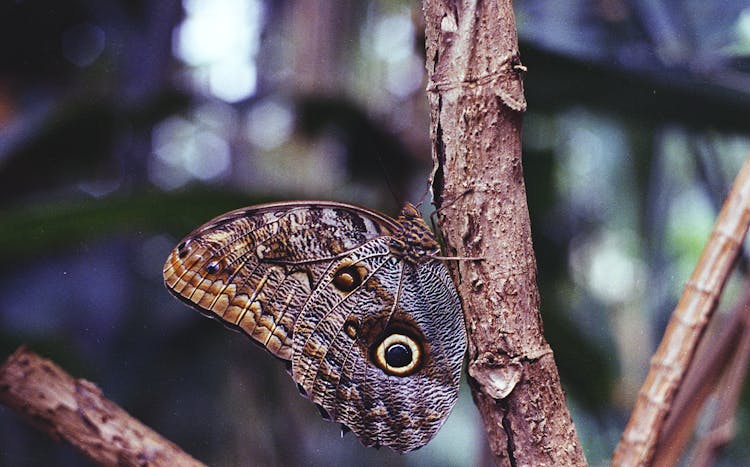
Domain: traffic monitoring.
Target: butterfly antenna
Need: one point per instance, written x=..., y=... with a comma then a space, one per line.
x=439, y=232
x=433, y=216
x=437, y=171
x=450, y=203
x=459, y=258
x=441, y=240
x=427, y=191
x=388, y=182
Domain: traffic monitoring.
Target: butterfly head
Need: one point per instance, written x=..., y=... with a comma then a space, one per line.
x=414, y=241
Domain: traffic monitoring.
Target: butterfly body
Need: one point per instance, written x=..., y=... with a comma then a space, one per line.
x=355, y=300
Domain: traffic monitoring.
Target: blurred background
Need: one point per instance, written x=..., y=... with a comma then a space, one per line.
x=124, y=125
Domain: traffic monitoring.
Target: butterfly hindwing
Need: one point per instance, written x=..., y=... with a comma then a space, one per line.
x=338, y=335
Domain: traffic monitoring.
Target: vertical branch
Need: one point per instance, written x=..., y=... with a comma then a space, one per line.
x=476, y=100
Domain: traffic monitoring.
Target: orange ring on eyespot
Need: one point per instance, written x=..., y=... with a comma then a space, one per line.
x=393, y=350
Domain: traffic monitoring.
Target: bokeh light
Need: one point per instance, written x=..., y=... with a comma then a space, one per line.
x=220, y=40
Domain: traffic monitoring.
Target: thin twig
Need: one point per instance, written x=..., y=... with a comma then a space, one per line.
x=723, y=427
x=689, y=319
x=715, y=353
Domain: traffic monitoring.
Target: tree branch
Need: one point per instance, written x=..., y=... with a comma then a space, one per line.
x=685, y=328
x=716, y=355
x=476, y=100
x=75, y=410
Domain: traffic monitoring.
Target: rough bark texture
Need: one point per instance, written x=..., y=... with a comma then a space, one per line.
x=74, y=410
x=476, y=99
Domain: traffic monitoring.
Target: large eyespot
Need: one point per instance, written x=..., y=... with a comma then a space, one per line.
x=398, y=354
x=349, y=277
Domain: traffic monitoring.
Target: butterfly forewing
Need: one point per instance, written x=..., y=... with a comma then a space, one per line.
x=253, y=268
x=371, y=323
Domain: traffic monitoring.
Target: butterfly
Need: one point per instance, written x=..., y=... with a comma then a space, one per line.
x=357, y=303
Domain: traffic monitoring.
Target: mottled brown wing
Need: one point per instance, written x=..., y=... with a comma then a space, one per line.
x=255, y=267
x=372, y=325
x=338, y=335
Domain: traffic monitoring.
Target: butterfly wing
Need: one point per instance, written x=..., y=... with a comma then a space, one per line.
x=254, y=268
x=319, y=284
x=336, y=361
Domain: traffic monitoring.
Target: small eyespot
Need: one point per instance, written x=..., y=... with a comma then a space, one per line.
x=183, y=248
x=398, y=354
x=351, y=327
x=213, y=267
x=348, y=278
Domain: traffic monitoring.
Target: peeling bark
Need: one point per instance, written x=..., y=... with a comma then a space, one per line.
x=476, y=98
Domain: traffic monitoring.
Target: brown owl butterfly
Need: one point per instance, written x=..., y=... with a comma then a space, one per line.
x=357, y=303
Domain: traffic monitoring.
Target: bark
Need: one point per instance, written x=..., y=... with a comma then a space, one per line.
x=476, y=100
x=75, y=410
